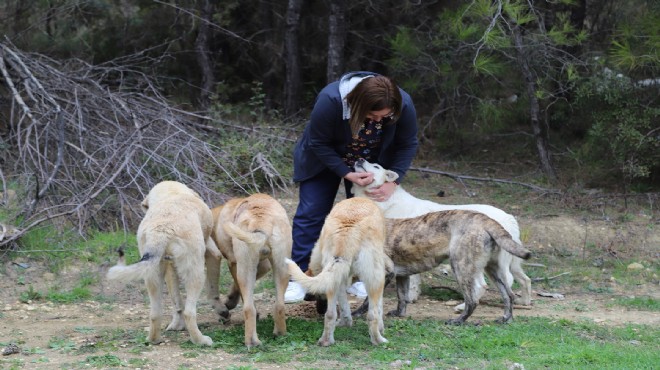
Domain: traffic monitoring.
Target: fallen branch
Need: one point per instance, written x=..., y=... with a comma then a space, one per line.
x=473, y=178
x=551, y=277
x=447, y=288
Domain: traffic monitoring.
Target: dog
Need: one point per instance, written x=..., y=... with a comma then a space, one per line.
x=351, y=243
x=402, y=204
x=471, y=240
x=172, y=238
x=254, y=235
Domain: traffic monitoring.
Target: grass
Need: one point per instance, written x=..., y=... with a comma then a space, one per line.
x=639, y=303
x=532, y=342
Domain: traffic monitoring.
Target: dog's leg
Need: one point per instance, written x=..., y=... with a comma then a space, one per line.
x=466, y=279
x=172, y=282
x=246, y=274
x=524, y=281
x=155, y=290
x=414, y=288
x=505, y=291
x=194, y=283
x=365, y=304
x=281, y=278
x=375, y=314
x=345, y=318
x=402, y=284
x=328, y=336
x=212, y=290
x=362, y=309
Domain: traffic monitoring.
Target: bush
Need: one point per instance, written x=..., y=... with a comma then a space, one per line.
x=623, y=140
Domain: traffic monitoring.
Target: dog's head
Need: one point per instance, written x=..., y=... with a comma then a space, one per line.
x=381, y=175
x=166, y=190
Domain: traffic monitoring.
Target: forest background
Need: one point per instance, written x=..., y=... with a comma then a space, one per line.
x=101, y=99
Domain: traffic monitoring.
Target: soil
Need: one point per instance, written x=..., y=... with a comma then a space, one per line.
x=32, y=325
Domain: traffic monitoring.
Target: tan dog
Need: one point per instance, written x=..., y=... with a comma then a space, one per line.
x=351, y=243
x=172, y=238
x=471, y=240
x=253, y=234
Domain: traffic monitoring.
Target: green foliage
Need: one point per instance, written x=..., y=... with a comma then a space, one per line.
x=103, y=361
x=636, y=44
x=30, y=295
x=623, y=138
x=640, y=303
x=519, y=12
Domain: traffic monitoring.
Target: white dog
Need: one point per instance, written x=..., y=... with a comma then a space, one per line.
x=403, y=205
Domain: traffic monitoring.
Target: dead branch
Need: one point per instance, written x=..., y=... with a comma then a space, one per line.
x=551, y=277
x=97, y=138
x=473, y=178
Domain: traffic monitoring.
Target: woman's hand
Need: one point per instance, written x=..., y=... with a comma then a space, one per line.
x=383, y=192
x=360, y=178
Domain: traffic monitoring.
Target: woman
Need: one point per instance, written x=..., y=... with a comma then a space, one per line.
x=363, y=115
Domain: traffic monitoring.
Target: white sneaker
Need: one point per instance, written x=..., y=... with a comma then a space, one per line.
x=357, y=290
x=294, y=293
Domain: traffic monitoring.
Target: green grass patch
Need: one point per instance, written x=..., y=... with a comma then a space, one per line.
x=533, y=342
x=103, y=361
x=639, y=303
x=62, y=248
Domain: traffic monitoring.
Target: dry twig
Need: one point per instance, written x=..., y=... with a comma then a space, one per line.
x=89, y=141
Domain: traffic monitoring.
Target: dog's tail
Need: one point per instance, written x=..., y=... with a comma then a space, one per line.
x=327, y=280
x=249, y=237
x=144, y=267
x=504, y=240
x=254, y=238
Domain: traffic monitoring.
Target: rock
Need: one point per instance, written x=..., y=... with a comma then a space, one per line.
x=11, y=349
x=635, y=266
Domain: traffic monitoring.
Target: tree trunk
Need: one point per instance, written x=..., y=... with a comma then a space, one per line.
x=336, y=40
x=270, y=56
x=540, y=134
x=204, y=54
x=293, y=84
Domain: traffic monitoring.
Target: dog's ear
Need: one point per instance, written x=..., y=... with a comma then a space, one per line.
x=145, y=204
x=391, y=176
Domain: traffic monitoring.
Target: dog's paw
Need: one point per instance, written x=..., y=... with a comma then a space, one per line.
x=395, y=313
x=503, y=320
x=379, y=340
x=345, y=321
x=177, y=324
x=252, y=343
x=204, y=341
x=522, y=302
x=455, y=322
x=325, y=343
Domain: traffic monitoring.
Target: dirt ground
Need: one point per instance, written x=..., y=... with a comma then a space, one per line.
x=33, y=325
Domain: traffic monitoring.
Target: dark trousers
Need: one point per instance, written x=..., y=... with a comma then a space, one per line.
x=316, y=198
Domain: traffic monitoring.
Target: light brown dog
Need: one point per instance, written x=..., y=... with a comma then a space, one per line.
x=471, y=240
x=253, y=234
x=172, y=238
x=351, y=243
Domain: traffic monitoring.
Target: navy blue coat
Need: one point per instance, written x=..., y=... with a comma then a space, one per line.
x=327, y=135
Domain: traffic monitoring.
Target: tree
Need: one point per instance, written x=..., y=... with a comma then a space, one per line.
x=293, y=83
x=336, y=39
x=508, y=47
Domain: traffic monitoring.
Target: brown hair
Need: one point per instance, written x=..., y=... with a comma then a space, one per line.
x=373, y=94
